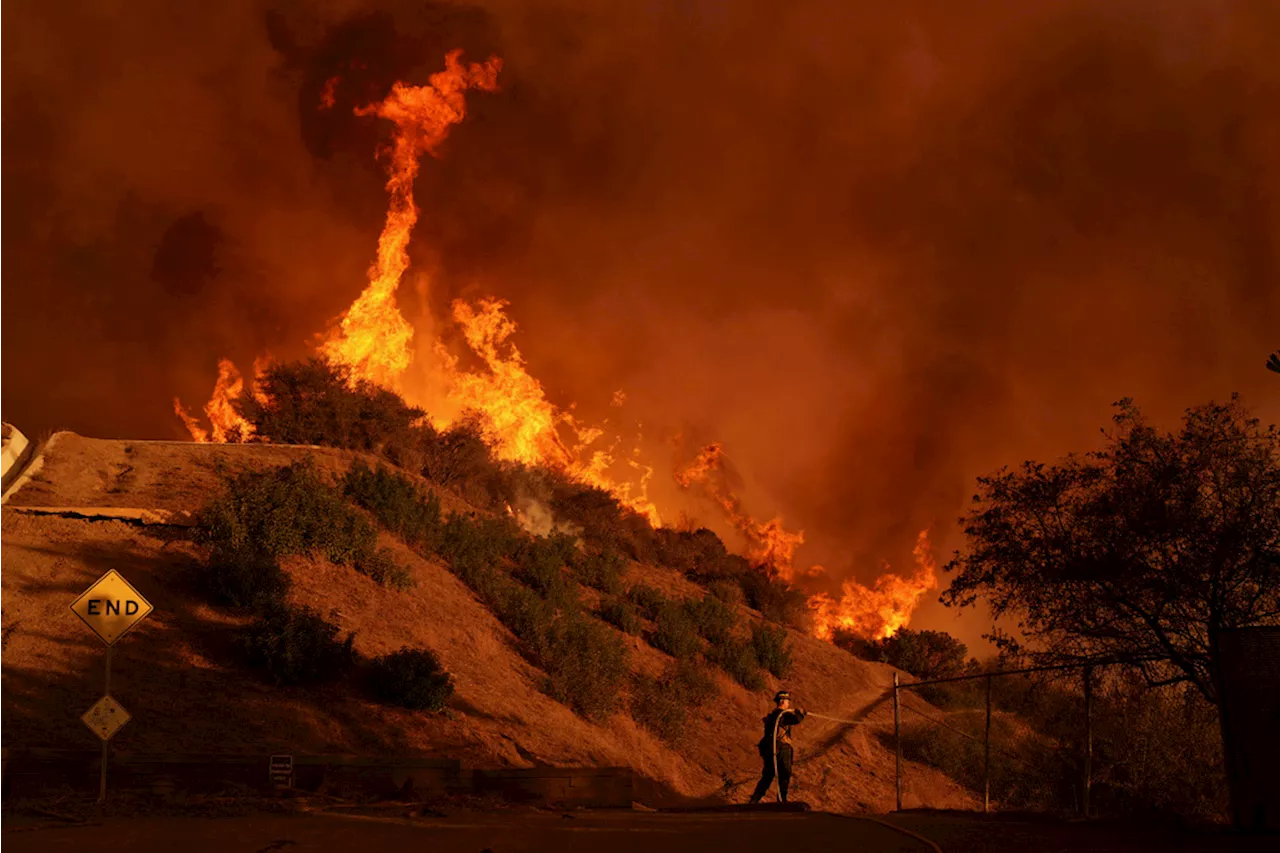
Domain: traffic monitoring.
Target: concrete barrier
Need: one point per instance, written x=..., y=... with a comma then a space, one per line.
x=14, y=452
x=30, y=772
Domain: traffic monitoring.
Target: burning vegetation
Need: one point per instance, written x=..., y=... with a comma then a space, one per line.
x=499, y=402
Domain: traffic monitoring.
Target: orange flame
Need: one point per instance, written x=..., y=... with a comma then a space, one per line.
x=373, y=337
x=878, y=611
x=226, y=422
x=768, y=543
x=327, y=93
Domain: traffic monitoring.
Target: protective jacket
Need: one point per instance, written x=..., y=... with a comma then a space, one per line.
x=788, y=719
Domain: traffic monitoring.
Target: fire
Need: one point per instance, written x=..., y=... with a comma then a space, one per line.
x=373, y=337
x=768, y=543
x=880, y=610
x=227, y=423
x=327, y=93
x=521, y=424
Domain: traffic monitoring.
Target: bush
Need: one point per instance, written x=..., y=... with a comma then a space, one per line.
x=585, y=663
x=527, y=614
x=243, y=577
x=662, y=704
x=399, y=504
x=316, y=402
x=712, y=618
x=622, y=614
x=284, y=511
x=674, y=632
x=648, y=599
x=777, y=600
x=771, y=649
x=602, y=570
x=383, y=569
x=411, y=678
x=468, y=542
x=297, y=646
x=540, y=562
x=738, y=659
x=730, y=592
x=924, y=654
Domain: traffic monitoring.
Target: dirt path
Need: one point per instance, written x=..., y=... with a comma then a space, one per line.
x=617, y=832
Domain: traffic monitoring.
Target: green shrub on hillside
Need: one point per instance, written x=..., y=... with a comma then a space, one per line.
x=263, y=516
x=602, y=570
x=777, y=600
x=728, y=591
x=399, y=504
x=712, y=618
x=648, y=599
x=316, y=402
x=382, y=567
x=586, y=664
x=540, y=562
x=468, y=542
x=243, y=577
x=736, y=657
x=297, y=646
x=411, y=678
x=527, y=614
x=621, y=614
x=663, y=704
x=674, y=632
x=771, y=649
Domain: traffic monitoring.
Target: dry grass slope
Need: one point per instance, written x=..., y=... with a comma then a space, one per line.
x=177, y=673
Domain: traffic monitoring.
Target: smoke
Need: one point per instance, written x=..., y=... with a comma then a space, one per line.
x=873, y=251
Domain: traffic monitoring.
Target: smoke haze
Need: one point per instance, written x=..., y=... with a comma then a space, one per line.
x=873, y=253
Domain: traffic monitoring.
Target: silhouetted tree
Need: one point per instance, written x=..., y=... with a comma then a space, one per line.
x=1145, y=550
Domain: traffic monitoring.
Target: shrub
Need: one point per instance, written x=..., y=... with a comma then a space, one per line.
x=316, y=402
x=622, y=614
x=540, y=562
x=771, y=649
x=602, y=570
x=284, y=511
x=712, y=618
x=777, y=600
x=297, y=646
x=730, y=592
x=662, y=704
x=411, y=678
x=399, y=504
x=648, y=599
x=738, y=659
x=468, y=542
x=527, y=614
x=674, y=632
x=924, y=654
x=383, y=569
x=585, y=663
x=243, y=577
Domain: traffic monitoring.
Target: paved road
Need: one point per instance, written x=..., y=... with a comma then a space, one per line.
x=614, y=832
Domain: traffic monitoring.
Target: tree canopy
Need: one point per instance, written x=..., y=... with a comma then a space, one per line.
x=1143, y=551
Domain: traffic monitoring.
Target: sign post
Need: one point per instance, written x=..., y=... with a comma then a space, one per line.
x=111, y=608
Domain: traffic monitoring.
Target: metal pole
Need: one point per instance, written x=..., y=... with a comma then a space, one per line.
x=106, y=744
x=897, y=745
x=986, y=755
x=1088, y=737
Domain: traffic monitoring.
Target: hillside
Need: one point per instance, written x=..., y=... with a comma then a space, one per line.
x=177, y=673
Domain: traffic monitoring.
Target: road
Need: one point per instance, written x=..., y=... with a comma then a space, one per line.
x=615, y=832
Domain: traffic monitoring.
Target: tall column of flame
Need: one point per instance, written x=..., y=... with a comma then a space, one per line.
x=226, y=422
x=373, y=337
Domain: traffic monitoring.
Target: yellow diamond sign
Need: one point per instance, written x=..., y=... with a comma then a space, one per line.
x=106, y=717
x=111, y=607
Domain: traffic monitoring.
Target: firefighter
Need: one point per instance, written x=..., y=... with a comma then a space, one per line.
x=775, y=746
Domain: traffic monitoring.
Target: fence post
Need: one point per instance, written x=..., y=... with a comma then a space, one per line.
x=897, y=745
x=986, y=755
x=1088, y=738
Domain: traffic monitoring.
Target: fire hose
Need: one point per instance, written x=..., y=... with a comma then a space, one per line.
x=778, y=722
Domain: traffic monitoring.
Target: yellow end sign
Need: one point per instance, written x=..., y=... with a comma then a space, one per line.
x=111, y=607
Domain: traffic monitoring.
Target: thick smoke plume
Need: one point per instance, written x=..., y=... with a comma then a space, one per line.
x=871, y=249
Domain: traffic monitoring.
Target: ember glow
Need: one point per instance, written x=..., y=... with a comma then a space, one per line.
x=226, y=423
